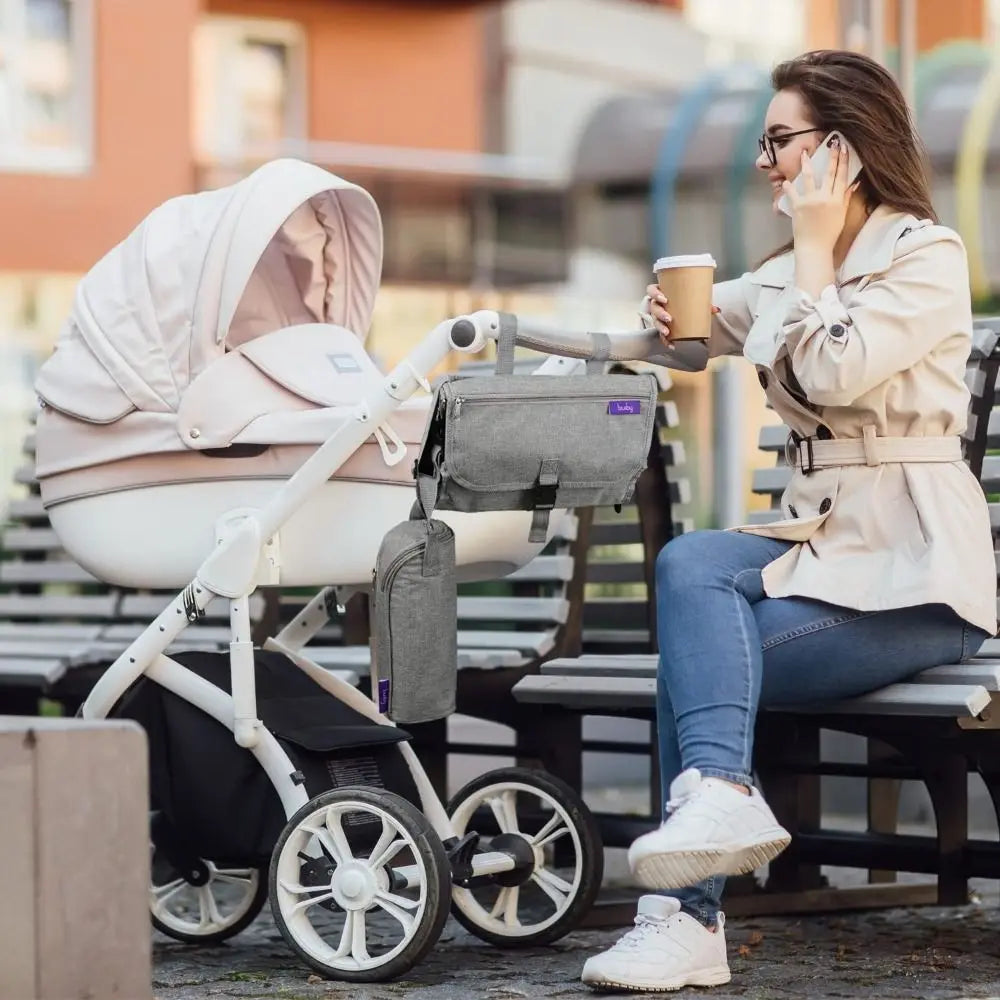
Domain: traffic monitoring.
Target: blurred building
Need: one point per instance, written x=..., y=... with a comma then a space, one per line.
x=530, y=154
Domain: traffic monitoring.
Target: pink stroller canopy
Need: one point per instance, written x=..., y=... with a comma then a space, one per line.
x=204, y=273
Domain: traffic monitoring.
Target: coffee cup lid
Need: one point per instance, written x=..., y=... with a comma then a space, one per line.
x=685, y=260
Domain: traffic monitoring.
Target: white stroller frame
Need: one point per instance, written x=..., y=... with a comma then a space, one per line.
x=234, y=569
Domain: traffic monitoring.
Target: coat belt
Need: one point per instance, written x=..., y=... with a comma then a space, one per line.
x=811, y=453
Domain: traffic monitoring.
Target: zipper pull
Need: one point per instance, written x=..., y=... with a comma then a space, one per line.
x=458, y=406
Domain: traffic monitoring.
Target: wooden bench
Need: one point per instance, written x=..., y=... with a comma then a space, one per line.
x=58, y=624
x=59, y=627
x=934, y=729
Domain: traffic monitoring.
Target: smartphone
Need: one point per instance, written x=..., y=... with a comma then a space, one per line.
x=820, y=161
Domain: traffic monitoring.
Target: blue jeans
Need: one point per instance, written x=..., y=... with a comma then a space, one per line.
x=727, y=649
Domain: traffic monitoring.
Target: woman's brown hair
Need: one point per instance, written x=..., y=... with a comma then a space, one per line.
x=857, y=96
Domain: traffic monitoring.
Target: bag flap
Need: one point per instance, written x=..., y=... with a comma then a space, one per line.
x=594, y=430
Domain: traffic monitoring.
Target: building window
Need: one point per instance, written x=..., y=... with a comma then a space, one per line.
x=46, y=57
x=249, y=88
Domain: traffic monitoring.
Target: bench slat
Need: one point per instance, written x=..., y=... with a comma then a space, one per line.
x=58, y=606
x=587, y=692
x=985, y=673
x=30, y=672
x=558, y=569
x=537, y=643
x=949, y=700
x=358, y=658
x=611, y=666
x=26, y=509
x=990, y=649
x=597, y=693
x=30, y=540
x=146, y=607
x=16, y=571
x=48, y=630
x=514, y=609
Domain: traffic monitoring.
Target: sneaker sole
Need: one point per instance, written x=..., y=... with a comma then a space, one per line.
x=706, y=977
x=677, y=869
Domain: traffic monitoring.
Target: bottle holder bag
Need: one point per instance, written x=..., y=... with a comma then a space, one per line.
x=415, y=663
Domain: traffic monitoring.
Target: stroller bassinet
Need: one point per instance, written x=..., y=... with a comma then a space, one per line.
x=206, y=357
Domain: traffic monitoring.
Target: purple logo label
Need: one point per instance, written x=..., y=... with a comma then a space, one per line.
x=383, y=696
x=620, y=407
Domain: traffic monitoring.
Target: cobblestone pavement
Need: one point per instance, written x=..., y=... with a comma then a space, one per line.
x=929, y=953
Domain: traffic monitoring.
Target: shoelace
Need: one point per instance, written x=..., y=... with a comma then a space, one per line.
x=674, y=804
x=644, y=926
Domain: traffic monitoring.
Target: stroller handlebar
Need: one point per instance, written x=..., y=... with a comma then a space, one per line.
x=470, y=334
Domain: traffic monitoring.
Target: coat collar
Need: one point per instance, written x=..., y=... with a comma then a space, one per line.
x=871, y=252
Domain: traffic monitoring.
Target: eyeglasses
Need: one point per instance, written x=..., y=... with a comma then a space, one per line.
x=766, y=143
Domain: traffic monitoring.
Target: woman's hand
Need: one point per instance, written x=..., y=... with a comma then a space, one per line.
x=655, y=305
x=819, y=212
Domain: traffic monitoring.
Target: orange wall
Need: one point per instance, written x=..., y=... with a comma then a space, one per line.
x=937, y=21
x=142, y=145
x=401, y=74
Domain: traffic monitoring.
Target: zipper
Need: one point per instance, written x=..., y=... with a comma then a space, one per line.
x=390, y=574
x=459, y=401
x=397, y=564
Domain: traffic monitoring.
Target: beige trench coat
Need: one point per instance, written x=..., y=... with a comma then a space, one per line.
x=886, y=347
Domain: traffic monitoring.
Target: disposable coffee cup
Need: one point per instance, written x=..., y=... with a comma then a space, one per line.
x=687, y=281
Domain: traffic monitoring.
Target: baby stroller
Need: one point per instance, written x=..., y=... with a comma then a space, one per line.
x=211, y=424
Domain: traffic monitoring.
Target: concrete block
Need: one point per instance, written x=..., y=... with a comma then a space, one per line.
x=74, y=860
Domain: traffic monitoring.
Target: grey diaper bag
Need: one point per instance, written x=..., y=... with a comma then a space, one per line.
x=535, y=442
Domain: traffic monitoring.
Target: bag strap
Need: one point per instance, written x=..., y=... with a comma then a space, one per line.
x=543, y=499
x=427, y=491
x=506, y=338
x=602, y=351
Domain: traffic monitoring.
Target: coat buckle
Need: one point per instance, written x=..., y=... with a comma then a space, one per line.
x=805, y=459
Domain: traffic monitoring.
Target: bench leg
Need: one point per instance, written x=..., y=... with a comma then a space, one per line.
x=946, y=778
x=883, y=803
x=430, y=744
x=794, y=798
x=560, y=750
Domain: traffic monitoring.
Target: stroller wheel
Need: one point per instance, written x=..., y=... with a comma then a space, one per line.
x=538, y=817
x=359, y=884
x=222, y=906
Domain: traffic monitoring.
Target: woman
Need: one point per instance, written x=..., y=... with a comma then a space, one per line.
x=882, y=564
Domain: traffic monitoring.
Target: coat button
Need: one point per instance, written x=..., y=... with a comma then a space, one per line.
x=762, y=378
x=838, y=330
x=825, y=505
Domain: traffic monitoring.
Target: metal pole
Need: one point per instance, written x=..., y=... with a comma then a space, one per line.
x=876, y=30
x=727, y=432
x=907, y=31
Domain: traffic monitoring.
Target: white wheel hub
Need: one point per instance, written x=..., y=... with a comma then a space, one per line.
x=354, y=886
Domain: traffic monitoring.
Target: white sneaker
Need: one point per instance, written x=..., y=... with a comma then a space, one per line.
x=711, y=829
x=665, y=950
